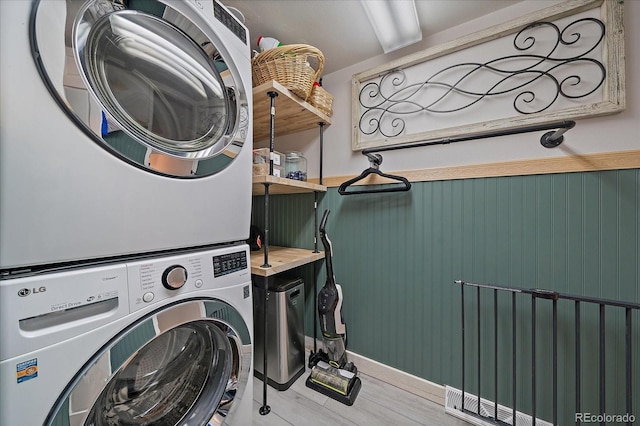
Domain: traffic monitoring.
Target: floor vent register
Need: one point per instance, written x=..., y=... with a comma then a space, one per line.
x=453, y=405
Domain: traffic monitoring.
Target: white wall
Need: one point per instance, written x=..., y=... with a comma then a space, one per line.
x=619, y=132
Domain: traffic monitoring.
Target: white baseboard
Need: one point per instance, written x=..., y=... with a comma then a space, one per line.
x=398, y=378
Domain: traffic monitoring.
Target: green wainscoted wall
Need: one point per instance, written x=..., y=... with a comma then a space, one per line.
x=397, y=255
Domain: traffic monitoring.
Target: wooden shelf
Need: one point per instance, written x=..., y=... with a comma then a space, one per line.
x=282, y=259
x=279, y=185
x=292, y=113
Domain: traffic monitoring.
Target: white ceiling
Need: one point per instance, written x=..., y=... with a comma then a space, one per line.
x=340, y=28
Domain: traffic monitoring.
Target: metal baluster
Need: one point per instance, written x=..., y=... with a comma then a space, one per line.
x=463, y=354
x=578, y=360
x=533, y=358
x=513, y=355
x=495, y=353
x=602, y=364
x=629, y=367
x=555, y=361
x=479, y=364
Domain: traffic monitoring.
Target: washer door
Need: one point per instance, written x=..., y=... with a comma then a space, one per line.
x=144, y=81
x=163, y=381
x=184, y=365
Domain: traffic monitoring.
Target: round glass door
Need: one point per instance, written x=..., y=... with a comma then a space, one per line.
x=187, y=364
x=144, y=82
x=178, y=377
x=163, y=90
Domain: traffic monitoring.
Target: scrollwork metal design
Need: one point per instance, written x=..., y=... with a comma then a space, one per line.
x=386, y=100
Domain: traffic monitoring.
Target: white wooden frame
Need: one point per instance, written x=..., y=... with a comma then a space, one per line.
x=613, y=87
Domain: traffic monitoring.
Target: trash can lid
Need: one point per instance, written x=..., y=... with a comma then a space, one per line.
x=279, y=284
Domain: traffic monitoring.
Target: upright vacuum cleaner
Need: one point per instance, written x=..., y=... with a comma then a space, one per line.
x=331, y=373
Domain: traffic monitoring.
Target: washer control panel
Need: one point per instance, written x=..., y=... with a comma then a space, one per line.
x=229, y=263
x=57, y=306
x=49, y=308
x=155, y=280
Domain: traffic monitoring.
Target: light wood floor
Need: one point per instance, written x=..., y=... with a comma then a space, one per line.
x=377, y=404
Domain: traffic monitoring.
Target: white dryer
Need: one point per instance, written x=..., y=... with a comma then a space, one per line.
x=162, y=341
x=125, y=128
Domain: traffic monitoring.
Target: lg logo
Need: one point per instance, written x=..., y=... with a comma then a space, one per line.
x=25, y=291
x=198, y=3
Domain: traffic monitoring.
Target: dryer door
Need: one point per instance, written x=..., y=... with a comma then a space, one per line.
x=186, y=364
x=150, y=82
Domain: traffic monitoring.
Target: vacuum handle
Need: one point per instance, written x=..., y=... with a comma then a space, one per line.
x=323, y=235
x=323, y=223
x=325, y=240
x=328, y=252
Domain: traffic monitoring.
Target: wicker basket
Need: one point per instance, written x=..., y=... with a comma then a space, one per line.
x=295, y=66
x=321, y=99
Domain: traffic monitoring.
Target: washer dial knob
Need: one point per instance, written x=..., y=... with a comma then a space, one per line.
x=174, y=277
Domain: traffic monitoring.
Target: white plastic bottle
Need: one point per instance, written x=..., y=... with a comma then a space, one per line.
x=265, y=43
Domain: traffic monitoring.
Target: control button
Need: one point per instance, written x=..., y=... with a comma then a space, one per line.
x=174, y=277
x=199, y=283
x=148, y=297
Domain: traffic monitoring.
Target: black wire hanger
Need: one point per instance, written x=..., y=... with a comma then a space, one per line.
x=375, y=160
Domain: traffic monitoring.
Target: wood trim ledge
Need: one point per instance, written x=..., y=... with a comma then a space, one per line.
x=570, y=164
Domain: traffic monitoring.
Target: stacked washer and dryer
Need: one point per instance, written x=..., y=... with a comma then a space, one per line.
x=125, y=198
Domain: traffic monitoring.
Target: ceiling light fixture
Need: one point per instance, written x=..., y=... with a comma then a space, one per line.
x=394, y=21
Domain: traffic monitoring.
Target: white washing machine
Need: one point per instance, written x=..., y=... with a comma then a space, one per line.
x=158, y=341
x=125, y=128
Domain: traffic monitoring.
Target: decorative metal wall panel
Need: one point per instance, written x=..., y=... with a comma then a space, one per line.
x=556, y=64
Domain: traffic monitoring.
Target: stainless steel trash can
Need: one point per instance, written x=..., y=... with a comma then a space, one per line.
x=285, y=330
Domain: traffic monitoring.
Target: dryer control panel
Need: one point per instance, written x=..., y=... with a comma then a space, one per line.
x=229, y=21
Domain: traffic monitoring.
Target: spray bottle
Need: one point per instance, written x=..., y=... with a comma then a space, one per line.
x=265, y=43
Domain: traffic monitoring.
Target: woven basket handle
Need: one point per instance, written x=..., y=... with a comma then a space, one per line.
x=297, y=49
